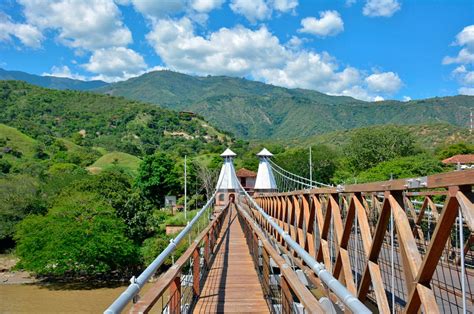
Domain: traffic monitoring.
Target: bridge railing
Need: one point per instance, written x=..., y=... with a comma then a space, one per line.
x=388, y=242
x=178, y=288
x=131, y=293
x=281, y=285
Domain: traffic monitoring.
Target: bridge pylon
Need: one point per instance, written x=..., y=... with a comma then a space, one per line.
x=228, y=183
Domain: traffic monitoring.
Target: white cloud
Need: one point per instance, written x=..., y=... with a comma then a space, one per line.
x=28, y=35
x=205, y=6
x=383, y=8
x=329, y=24
x=158, y=9
x=406, y=98
x=349, y=3
x=240, y=51
x=117, y=63
x=285, y=5
x=379, y=98
x=80, y=24
x=465, y=39
x=387, y=82
x=253, y=10
x=466, y=91
x=64, y=71
x=464, y=56
x=464, y=72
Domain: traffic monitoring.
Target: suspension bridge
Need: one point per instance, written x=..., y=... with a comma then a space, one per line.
x=301, y=246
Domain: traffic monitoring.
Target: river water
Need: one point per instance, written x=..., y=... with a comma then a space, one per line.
x=34, y=298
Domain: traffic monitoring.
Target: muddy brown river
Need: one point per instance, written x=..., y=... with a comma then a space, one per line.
x=16, y=298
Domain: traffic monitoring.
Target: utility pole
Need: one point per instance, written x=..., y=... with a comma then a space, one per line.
x=185, y=190
x=310, y=168
x=470, y=129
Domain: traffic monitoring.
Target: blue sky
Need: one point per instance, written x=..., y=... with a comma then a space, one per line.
x=368, y=49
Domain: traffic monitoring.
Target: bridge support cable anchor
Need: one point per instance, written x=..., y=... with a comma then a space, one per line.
x=352, y=302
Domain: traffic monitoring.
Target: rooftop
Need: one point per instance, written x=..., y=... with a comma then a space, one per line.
x=462, y=159
x=264, y=153
x=228, y=153
x=245, y=173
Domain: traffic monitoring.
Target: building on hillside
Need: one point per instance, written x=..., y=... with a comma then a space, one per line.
x=462, y=161
x=247, y=179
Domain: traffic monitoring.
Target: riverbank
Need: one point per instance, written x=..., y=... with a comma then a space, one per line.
x=10, y=276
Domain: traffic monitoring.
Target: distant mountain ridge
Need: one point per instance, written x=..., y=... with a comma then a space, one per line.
x=53, y=82
x=257, y=110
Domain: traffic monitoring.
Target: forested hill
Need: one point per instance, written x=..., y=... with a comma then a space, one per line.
x=257, y=110
x=50, y=81
x=113, y=123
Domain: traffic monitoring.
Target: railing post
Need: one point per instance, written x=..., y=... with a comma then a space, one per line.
x=196, y=274
x=175, y=296
x=255, y=245
x=206, y=249
x=266, y=271
x=286, y=297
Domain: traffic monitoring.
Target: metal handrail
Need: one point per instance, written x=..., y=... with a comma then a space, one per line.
x=352, y=302
x=308, y=300
x=137, y=283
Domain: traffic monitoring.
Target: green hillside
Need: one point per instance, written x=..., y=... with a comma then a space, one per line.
x=113, y=123
x=16, y=143
x=427, y=136
x=256, y=110
x=118, y=159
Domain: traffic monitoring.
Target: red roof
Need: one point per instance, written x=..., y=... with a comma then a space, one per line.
x=245, y=173
x=462, y=159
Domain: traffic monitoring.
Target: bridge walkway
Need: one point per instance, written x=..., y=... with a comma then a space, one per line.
x=232, y=283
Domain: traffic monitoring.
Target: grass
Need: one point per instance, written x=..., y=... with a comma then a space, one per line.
x=18, y=141
x=123, y=160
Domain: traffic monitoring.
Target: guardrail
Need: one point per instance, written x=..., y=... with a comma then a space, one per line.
x=394, y=252
x=278, y=289
x=177, y=289
x=335, y=286
x=137, y=283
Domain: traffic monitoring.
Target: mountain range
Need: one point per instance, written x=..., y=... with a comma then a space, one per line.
x=50, y=81
x=255, y=110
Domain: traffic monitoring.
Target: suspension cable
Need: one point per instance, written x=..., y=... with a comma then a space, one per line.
x=302, y=180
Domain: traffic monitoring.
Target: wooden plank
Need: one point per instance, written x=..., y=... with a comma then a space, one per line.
x=232, y=283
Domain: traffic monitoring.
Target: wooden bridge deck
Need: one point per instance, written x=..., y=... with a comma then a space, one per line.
x=232, y=283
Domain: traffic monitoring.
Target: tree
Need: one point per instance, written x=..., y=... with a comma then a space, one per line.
x=114, y=187
x=157, y=177
x=80, y=235
x=402, y=167
x=370, y=146
x=444, y=152
x=19, y=198
x=323, y=160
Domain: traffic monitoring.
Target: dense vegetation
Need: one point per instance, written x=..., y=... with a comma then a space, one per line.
x=76, y=198
x=98, y=120
x=83, y=176
x=256, y=110
x=370, y=154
